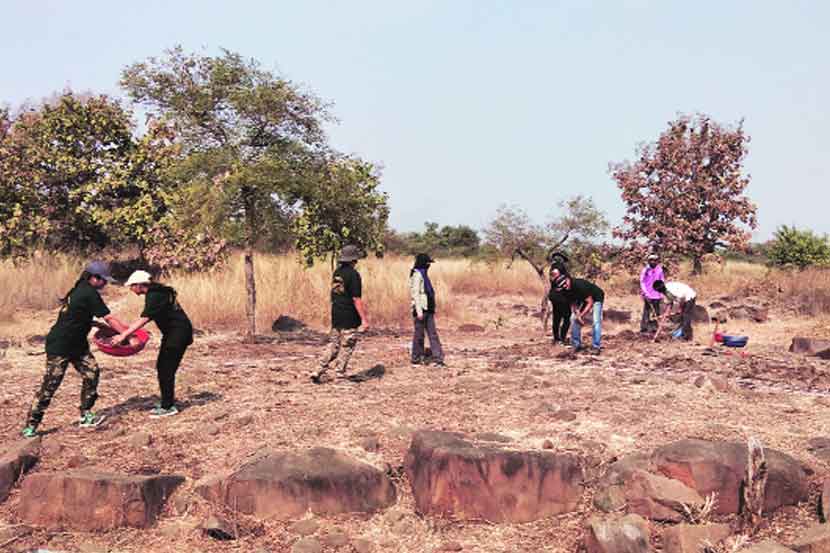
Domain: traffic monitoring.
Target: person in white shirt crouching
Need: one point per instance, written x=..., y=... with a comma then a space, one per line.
x=681, y=298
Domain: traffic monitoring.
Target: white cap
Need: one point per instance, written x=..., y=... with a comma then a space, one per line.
x=139, y=277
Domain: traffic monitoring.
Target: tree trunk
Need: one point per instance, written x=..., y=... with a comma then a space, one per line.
x=697, y=265
x=250, y=288
x=754, y=485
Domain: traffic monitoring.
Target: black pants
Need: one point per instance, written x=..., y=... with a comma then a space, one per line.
x=561, y=321
x=649, y=307
x=688, y=313
x=426, y=326
x=170, y=356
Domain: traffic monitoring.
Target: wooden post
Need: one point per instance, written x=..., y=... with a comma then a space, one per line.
x=754, y=485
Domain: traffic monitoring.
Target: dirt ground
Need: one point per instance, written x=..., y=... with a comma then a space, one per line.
x=239, y=399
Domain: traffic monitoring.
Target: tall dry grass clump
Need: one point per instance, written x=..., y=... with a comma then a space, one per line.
x=36, y=284
x=285, y=287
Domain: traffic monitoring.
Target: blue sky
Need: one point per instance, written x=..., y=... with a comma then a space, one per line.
x=472, y=104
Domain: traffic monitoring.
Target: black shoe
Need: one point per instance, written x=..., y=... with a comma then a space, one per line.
x=440, y=364
x=596, y=351
x=416, y=362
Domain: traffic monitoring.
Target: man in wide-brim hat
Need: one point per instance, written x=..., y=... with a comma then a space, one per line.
x=348, y=314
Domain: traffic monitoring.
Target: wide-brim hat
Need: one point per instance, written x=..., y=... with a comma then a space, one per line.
x=139, y=277
x=350, y=253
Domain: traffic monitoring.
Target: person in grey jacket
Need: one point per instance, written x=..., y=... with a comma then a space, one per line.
x=423, y=312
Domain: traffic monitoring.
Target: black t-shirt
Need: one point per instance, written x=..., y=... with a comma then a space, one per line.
x=345, y=286
x=581, y=289
x=161, y=306
x=68, y=336
x=559, y=300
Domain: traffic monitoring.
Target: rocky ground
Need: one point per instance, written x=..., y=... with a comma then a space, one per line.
x=506, y=387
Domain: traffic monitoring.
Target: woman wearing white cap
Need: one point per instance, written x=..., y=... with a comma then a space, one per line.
x=161, y=306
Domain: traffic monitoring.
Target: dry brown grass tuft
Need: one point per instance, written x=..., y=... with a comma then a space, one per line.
x=35, y=285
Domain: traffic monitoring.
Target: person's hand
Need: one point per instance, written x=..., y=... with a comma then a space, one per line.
x=117, y=339
x=421, y=317
x=363, y=327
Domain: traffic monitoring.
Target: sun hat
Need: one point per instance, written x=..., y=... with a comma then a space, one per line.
x=653, y=257
x=350, y=253
x=139, y=277
x=101, y=269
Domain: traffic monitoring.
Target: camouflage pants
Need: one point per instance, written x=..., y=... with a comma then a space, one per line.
x=340, y=338
x=55, y=370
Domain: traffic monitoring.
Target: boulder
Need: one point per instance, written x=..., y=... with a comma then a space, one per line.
x=219, y=529
x=688, y=538
x=820, y=447
x=719, y=467
x=616, y=315
x=700, y=314
x=16, y=459
x=815, y=539
x=767, y=546
x=287, y=485
x=749, y=313
x=284, y=323
x=452, y=476
x=810, y=346
x=470, y=328
x=88, y=501
x=610, y=493
x=629, y=534
x=657, y=497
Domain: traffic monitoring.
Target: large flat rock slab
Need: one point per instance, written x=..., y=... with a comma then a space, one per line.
x=452, y=476
x=88, y=501
x=629, y=534
x=286, y=485
x=720, y=467
x=16, y=458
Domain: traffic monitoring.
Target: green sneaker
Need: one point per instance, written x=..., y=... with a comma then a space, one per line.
x=29, y=432
x=90, y=420
x=160, y=412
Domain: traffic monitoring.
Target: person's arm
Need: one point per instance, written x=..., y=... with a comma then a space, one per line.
x=125, y=333
x=361, y=310
x=643, y=288
x=589, y=304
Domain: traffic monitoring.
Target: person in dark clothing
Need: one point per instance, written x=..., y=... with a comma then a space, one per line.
x=422, y=294
x=67, y=344
x=348, y=314
x=585, y=297
x=162, y=307
x=561, y=305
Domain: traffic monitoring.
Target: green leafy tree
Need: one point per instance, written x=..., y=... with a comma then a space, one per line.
x=799, y=248
x=244, y=131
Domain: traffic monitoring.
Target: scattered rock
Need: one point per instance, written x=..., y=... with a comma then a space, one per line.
x=76, y=461
x=824, y=505
x=810, y=346
x=452, y=476
x=815, y=539
x=616, y=315
x=718, y=467
x=470, y=328
x=284, y=323
x=687, y=538
x=493, y=437
x=628, y=534
x=370, y=444
x=86, y=500
x=16, y=458
x=307, y=545
x=363, y=546
x=245, y=420
x=335, y=539
x=767, y=546
x=749, y=313
x=305, y=527
x=287, y=485
x=547, y=444
x=451, y=546
x=657, y=497
x=564, y=415
x=712, y=383
x=219, y=529
x=211, y=429
x=141, y=439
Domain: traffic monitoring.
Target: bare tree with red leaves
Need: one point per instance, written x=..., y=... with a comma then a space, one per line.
x=685, y=193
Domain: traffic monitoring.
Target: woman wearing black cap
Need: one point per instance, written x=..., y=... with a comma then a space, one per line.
x=561, y=304
x=67, y=344
x=423, y=312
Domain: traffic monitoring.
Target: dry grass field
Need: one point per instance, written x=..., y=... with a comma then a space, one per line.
x=239, y=399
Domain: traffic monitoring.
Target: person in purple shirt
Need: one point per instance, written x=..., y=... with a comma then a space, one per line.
x=651, y=297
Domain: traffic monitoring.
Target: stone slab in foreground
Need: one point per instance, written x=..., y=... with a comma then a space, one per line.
x=86, y=500
x=16, y=458
x=452, y=476
x=286, y=485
